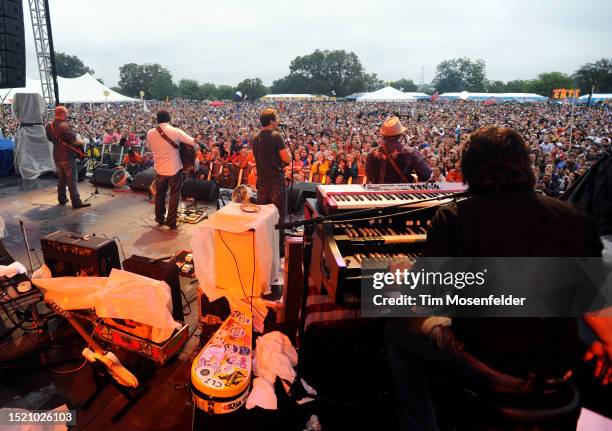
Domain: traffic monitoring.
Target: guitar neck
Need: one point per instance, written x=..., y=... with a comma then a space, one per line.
x=76, y=325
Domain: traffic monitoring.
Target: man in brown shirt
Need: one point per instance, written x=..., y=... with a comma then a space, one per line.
x=65, y=152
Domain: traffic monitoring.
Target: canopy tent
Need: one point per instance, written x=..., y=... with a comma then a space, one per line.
x=293, y=97
x=418, y=95
x=84, y=89
x=504, y=97
x=597, y=97
x=387, y=94
x=354, y=96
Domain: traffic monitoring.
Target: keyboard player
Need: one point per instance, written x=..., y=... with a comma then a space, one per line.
x=504, y=217
x=393, y=161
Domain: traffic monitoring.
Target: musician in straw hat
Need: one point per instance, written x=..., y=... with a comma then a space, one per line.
x=393, y=161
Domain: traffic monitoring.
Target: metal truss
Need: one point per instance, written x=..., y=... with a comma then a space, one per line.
x=40, y=21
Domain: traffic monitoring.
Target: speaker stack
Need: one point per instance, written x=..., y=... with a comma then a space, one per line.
x=142, y=180
x=12, y=45
x=202, y=190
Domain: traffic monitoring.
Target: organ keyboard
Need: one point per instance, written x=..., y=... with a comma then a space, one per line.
x=337, y=198
x=339, y=247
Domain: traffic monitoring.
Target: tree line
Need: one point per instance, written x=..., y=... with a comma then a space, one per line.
x=340, y=73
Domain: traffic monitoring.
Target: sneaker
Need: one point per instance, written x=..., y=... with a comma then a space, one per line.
x=62, y=203
x=160, y=222
x=172, y=226
x=81, y=205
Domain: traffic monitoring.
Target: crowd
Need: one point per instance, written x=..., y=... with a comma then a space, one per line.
x=329, y=141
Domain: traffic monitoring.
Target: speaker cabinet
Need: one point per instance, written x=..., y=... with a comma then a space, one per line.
x=12, y=45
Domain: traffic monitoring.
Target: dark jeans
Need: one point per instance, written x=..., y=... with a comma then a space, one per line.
x=276, y=195
x=409, y=355
x=67, y=175
x=162, y=182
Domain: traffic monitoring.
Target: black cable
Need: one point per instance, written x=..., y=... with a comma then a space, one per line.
x=253, y=276
x=120, y=245
x=13, y=320
x=36, y=256
x=187, y=301
x=238, y=270
x=95, y=326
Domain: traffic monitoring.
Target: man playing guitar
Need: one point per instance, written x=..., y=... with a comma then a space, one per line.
x=66, y=149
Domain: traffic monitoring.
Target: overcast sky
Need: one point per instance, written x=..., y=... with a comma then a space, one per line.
x=229, y=40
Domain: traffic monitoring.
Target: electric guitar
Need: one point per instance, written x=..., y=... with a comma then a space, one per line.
x=79, y=152
x=117, y=371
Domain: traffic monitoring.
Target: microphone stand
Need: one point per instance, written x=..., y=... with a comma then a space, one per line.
x=290, y=179
x=92, y=161
x=297, y=391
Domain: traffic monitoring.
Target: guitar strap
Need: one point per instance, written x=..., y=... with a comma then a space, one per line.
x=71, y=148
x=166, y=137
x=393, y=163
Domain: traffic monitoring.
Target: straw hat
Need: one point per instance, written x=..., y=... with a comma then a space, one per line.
x=392, y=127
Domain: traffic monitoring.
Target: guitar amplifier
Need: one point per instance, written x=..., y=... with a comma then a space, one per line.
x=69, y=254
x=163, y=271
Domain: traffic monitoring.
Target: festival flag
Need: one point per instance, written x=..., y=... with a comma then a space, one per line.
x=435, y=96
x=491, y=101
x=144, y=106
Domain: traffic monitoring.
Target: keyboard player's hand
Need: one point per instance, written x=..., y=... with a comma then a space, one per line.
x=601, y=354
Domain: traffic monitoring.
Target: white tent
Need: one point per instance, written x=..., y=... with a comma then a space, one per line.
x=418, y=95
x=517, y=97
x=293, y=97
x=597, y=97
x=84, y=89
x=387, y=94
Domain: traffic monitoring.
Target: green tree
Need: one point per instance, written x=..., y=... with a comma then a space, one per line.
x=153, y=79
x=372, y=83
x=225, y=92
x=291, y=84
x=70, y=66
x=518, y=86
x=496, y=87
x=546, y=82
x=208, y=91
x=426, y=88
x=460, y=74
x=404, y=85
x=324, y=72
x=252, y=88
x=189, y=89
x=598, y=75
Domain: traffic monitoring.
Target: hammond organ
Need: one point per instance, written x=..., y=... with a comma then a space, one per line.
x=340, y=246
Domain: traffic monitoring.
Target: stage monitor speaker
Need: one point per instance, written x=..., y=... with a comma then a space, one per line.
x=142, y=180
x=12, y=45
x=69, y=254
x=309, y=190
x=202, y=190
x=103, y=177
x=163, y=271
x=295, y=198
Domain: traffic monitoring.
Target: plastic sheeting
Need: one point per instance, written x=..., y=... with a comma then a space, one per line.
x=122, y=295
x=33, y=152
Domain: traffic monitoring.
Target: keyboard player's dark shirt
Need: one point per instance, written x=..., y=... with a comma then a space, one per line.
x=519, y=223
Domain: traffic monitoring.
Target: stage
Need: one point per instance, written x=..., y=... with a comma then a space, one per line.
x=127, y=216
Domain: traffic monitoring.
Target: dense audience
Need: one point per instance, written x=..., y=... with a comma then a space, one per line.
x=329, y=141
